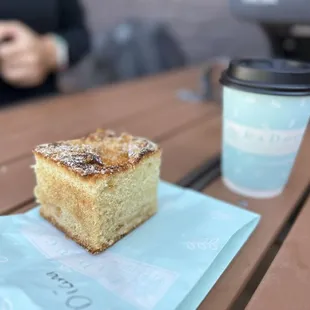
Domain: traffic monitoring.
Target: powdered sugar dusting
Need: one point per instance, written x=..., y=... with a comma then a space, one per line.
x=140, y=146
x=80, y=158
x=102, y=152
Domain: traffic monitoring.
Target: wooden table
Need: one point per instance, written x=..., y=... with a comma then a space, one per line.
x=286, y=286
x=189, y=133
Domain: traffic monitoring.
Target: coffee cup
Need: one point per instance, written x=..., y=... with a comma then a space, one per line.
x=266, y=110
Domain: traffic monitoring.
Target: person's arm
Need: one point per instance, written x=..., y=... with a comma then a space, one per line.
x=73, y=31
x=27, y=58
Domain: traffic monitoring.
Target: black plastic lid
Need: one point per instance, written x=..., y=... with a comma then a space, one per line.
x=269, y=76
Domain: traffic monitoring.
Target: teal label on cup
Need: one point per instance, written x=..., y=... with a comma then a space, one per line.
x=261, y=138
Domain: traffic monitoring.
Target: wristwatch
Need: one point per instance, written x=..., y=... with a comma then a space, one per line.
x=62, y=51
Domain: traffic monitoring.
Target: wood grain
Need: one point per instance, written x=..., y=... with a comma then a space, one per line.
x=286, y=285
x=275, y=213
x=23, y=127
x=189, y=149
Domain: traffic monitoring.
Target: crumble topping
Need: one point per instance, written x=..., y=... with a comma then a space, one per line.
x=102, y=152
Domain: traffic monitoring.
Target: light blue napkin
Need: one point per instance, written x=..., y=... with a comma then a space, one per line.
x=170, y=262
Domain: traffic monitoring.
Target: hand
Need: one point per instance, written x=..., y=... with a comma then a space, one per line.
x=26, y=58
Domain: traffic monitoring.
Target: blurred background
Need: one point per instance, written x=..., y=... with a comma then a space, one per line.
x=203, y=29
x=128, y=39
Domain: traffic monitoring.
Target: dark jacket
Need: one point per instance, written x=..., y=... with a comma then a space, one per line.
x=63, y=17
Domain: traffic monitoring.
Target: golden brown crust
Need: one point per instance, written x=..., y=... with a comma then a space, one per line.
x=68, y=234
x=100, y=153
x=84, y=243
x=93, y=178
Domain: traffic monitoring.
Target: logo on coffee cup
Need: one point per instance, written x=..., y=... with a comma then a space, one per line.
x=262, y=140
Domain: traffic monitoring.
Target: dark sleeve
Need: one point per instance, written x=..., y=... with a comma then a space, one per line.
x=72, y=28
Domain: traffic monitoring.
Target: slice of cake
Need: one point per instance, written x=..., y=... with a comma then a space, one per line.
x=98, y=188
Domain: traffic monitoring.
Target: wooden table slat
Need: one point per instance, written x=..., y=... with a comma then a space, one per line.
x=286, y=285
x=185, y=151
x=167, y=119
x=66, y=117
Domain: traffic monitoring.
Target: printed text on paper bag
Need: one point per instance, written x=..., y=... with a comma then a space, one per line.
x=72, y=298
